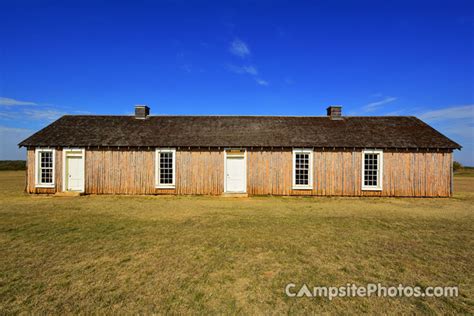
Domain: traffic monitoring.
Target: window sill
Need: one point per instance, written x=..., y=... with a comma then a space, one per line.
x=165, y=187
x=46, y=186
x=371, y=189
x=302, y=188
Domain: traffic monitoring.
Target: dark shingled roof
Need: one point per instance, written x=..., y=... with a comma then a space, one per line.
x=241, y=131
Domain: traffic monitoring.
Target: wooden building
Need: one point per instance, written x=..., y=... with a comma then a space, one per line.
x=331, y=155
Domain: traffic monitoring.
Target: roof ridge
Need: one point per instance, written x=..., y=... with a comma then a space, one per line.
x=236, y=115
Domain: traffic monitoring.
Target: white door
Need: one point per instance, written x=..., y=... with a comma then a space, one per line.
x=235, y=174
x=75, y=173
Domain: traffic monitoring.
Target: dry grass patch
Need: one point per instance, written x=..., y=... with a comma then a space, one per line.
x=108, y=254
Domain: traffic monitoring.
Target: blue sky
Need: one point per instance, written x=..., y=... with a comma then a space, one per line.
x=244, y=57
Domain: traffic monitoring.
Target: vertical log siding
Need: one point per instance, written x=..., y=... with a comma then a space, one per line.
x=133, y=172
x=31, y=169
x=339, y=173
x=269, y=172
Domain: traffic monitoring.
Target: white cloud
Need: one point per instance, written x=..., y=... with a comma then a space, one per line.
x=248, y=70
x=239, y=48
x=13, y=102
x=32, y=117
x=8, y=115
x=261, y=82
x=376, y=95
x=39, y=113
x=251, y=70
x=462, y=129
x=6, y=129
x=187, y=68
x=394, y=113
x=454, y=112
x=9, y=139
x=43, y=115
x=375, y=105
x=456, y=122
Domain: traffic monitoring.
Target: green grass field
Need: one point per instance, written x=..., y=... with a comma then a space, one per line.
x=162, y=254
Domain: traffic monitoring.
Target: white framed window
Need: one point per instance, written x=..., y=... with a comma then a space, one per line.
x=302, y=169
x=165, y=166
x=45, y=167
x=372, y=170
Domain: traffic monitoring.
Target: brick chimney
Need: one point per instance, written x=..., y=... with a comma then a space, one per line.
x=141, y=111
x=335, y=112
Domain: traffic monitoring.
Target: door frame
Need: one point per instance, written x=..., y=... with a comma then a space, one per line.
x=75, y=152
x=244, y=155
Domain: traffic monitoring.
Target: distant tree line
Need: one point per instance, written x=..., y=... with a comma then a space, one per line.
x=457, y=166
x=12, y=165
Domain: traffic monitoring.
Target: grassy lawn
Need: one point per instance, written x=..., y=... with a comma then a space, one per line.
x=109, y=254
